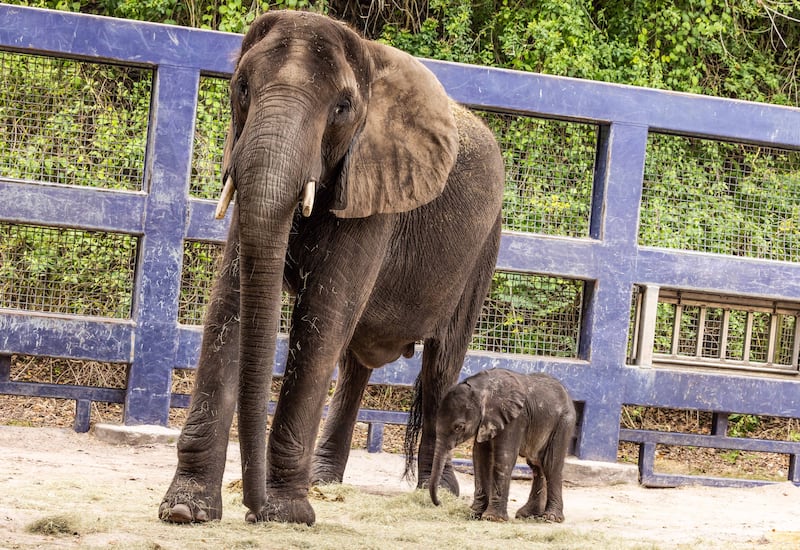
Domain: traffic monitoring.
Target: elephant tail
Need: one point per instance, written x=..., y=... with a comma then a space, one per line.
x=413, y=429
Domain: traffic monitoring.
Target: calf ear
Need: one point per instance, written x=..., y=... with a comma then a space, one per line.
x=500, y=408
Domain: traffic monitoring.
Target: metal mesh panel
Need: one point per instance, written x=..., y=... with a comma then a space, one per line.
x=665, y=317
x=66, y=270
x=712, y=333
x=524, y=314
x=725, y=198
x=531, y=314
x=719, y=331
x=687, y=337
x=52, y=370
x=549, y=173
x=759, y=343
x=73, y=123
x=785, y=339
x=200, y=261
x=213, y=118
x=199, y=266
x=736, y=336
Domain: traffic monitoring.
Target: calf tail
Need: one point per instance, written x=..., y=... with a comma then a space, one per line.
x=413, y=429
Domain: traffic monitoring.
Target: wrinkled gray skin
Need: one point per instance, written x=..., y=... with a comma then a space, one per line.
x=508, y=414
x=399, y=248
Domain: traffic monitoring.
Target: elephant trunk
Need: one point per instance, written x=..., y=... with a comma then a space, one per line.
x=267, y=199
x=260, y=286
x=271, y=171
x=440, y=457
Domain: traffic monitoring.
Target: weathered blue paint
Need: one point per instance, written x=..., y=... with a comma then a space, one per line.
x=609, y=259
x=167, y=172
x=61, y=336
x=72, y=207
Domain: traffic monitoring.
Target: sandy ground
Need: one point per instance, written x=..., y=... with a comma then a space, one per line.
x=44, y=471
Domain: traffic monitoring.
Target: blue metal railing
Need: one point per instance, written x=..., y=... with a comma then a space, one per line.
x=611, y=261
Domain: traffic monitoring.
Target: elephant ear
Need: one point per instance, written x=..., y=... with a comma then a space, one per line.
x=403, y=155
x=501, y=405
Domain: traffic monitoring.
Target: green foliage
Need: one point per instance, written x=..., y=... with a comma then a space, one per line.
x=741, y=425
x=73, y=123
x=747, y=49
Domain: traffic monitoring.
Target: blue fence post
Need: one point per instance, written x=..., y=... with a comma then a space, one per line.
x=375, y=437
x=161, y=256
x=5, y=367
x=604, y=335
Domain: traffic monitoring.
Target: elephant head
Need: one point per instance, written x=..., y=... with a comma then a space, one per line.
x=479, y=408
x=313, y=106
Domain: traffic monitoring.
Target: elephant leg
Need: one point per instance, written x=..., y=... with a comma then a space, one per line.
x=443, y=358
x=333, y=448
x=504, y=448
x=553, y=468
x=323, y=323
x=195, y=492
x=536, y=500
x=481, y=463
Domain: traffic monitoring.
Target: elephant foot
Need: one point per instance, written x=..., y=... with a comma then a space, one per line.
x=494, y=515
x=477, y=508
x=550, y=516
x=324, y=473
x=187, y=501
x=286, y=510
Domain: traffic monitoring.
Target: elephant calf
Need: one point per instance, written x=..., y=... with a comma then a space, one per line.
x=507, y=414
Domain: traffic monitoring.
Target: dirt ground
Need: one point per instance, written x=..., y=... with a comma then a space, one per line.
x=112, y=493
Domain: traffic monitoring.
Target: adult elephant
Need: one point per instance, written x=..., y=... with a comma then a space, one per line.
x=394, y=242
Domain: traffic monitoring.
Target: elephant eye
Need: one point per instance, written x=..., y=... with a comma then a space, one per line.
x=343, y=107
x=459, y=427
x=243, y=91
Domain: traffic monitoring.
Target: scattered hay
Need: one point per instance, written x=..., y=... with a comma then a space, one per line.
x=54, y=526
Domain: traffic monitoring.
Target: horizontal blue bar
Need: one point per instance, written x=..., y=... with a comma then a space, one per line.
x=718, y=273
x=710, y=441
x=203, y=226
x=68, y=206
x=63, y=391
x=119, y=40
x=677, y=480
x=712, y=391
x=28, y=333
x=590, y=101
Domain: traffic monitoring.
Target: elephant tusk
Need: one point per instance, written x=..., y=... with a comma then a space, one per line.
x=308, y=198
x=225, y=199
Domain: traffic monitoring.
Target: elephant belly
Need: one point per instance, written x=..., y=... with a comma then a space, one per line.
x=375, y=354
x=535, y=444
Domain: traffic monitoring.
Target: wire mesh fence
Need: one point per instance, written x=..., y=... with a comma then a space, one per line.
x=549, y=173
x=68, y=271
x=531, y=314
x=549, y=164
x=72, y=122
x=200, y=262
x=211, y=125
x=726, y=198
